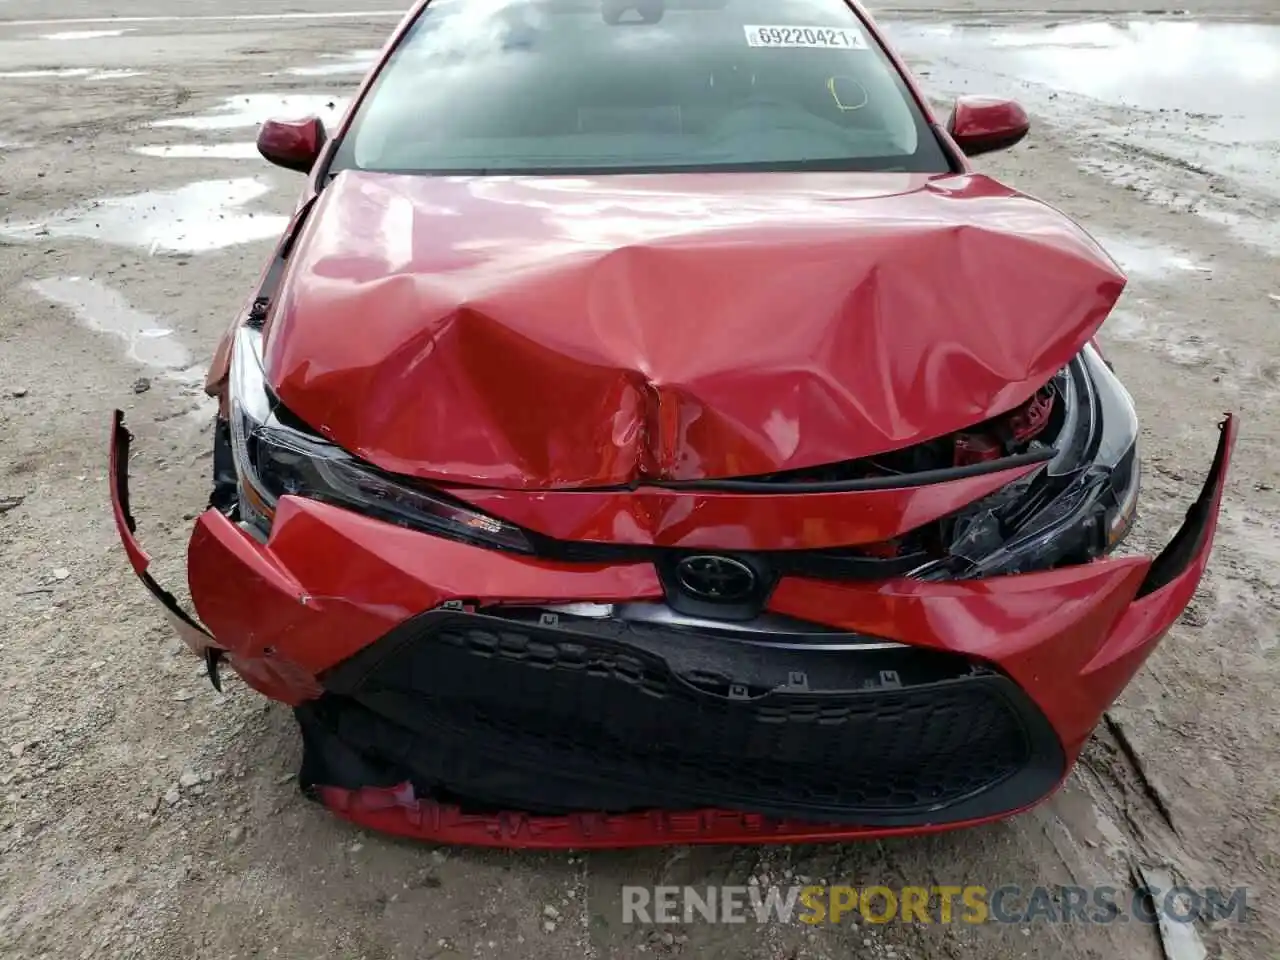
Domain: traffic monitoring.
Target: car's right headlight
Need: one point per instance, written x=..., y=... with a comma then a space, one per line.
x=1079, y=505
x=276, y=456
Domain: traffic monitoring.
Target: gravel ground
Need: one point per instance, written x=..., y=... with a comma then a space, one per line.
x=144, y=815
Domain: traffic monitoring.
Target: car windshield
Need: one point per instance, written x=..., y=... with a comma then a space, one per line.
x=638, y=86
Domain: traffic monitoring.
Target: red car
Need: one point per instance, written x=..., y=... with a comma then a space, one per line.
x=651, y=429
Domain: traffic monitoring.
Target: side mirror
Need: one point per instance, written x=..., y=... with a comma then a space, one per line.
x=983, y=124
x=292, y=144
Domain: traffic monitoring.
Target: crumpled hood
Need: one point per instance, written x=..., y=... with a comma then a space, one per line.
x=538, y=332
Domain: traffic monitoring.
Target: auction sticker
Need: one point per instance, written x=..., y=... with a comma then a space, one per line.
x=820, y=38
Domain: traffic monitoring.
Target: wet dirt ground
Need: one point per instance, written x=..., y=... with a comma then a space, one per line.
x=144, y=815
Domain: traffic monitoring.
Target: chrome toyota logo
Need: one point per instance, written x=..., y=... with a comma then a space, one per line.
x=720, y=579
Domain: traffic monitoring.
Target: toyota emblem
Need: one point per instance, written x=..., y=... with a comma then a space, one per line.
x=717, y=579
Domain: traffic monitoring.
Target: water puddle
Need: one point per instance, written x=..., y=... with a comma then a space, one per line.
x=100, y=308
x=194, y=151
x=1180, y=96
x=1218, y=70
x=252, y=110
x=1142, y=258
x=196, y=218
x=147, y=341
x=35, y=74
x=84, y=34
x=86, y=73
x=358, y=61
x=115, y=74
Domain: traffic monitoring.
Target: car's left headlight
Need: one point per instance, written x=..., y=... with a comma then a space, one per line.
x=275, y=458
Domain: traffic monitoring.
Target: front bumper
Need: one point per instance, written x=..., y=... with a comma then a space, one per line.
x=413, y=666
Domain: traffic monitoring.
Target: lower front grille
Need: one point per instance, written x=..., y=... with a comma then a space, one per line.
x=582, y=715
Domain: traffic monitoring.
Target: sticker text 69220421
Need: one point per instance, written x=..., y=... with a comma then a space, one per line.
x=819, y=38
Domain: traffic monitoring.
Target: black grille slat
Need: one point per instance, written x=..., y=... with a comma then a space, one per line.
x=583, y=715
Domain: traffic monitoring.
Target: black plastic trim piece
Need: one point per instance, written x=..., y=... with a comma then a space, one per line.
x=748, y=608
x=839, y=563
x=1178, y=554
x=121, y=437
x=271, y=281
x=225, y=483
x=924, y=478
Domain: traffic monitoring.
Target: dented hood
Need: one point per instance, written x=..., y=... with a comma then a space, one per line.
x=539, y=332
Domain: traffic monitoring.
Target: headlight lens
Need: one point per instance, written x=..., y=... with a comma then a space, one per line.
x=1079, y=506
x=274, y=459
x=1117, y=449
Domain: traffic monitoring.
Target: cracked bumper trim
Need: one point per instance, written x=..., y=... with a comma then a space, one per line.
x=188, y=628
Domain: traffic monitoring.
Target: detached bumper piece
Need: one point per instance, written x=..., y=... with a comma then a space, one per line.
x=568, y=714
x=196, y=637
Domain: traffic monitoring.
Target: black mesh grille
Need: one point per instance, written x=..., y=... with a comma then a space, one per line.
x=582, y=715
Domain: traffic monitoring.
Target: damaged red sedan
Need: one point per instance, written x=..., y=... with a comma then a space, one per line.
x=651, y=429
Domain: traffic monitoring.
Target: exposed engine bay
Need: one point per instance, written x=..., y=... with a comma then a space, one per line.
x=1078, y=504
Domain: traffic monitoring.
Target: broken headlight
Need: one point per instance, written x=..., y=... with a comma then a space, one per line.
x=1079, y=506
x=275, y=456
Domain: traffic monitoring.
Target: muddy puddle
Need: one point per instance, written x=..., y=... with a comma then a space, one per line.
x=68, y=73
x=1176, y=97
x=200, y=151
x=147, y=342
x=337, y=64
x=1218, y=73
x=146, y=339
x=252, y=110
x=84, y=34
x=196, y=218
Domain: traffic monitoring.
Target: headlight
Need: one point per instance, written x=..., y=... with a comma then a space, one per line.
x=274, y=459
x=1080, y=505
